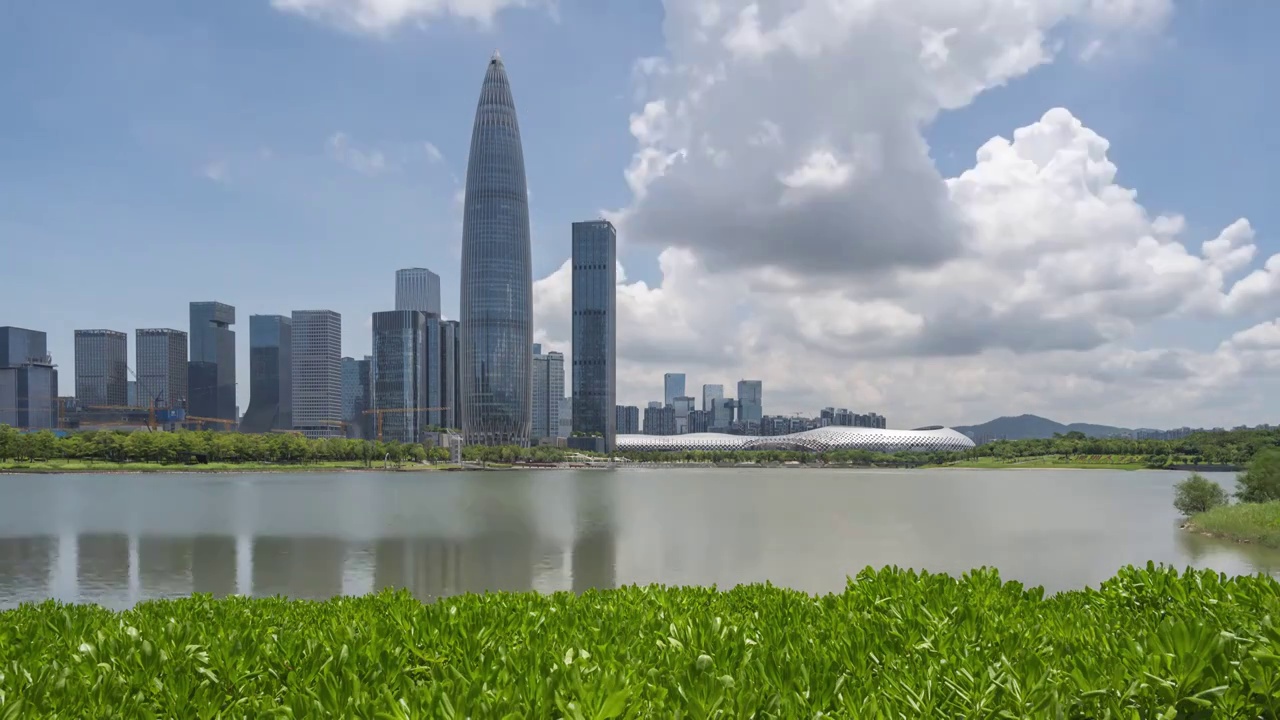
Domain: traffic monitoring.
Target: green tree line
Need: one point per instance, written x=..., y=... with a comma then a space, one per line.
x=1233, y=447
x=190, y=447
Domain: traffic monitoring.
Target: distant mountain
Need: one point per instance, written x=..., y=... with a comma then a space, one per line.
x=1024, y=427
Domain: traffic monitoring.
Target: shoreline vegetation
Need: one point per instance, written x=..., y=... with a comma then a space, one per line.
x=1148, y=642
x=207, y=451
x=1254, y=517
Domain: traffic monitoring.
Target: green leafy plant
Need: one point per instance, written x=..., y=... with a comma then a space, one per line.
x=1149, y=643
x=1198, y=494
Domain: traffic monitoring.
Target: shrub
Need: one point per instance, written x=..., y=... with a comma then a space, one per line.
x=1260, y=482
x=894, y=644
x=1198, y=494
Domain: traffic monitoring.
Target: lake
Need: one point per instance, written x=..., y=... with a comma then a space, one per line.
x=119, y=539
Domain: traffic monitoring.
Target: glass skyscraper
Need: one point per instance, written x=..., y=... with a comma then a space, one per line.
x=595, y=274
x=418, y=289
x=211, y=373
x=270, y=374
x=672, y=387
x=101, y=374
x=162, y=367
x=400, y=373
x=497, y=275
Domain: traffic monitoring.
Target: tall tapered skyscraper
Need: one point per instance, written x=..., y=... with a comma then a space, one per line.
x=497, y=275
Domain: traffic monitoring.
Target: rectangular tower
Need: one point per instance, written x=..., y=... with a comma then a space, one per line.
x=595, y=274
x=399, y=371
x=628, y=419
x=211, y=370
x=672, y=387
x=450, y=397
x=270, y=374
x=28, y=380
x=418, y=289
x=317, y=373
x=548, y=392
x=750, y=401
x=161, y=358
x=102, y=376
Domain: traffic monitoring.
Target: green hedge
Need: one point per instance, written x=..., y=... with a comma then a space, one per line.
x=1149, y=643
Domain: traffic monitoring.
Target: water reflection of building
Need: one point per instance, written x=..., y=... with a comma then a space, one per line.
x=26, y=564
x=298, y=567
x=213, y=564
x=102, y=562
x=594, y=563
x=164, y=565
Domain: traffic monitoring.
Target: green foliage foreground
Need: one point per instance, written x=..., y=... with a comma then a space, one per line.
x=1148, y=643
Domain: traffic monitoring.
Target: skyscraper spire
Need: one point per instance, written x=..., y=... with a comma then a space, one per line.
x=497, y=275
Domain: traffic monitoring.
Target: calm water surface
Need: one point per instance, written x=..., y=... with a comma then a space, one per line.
x=118, y=539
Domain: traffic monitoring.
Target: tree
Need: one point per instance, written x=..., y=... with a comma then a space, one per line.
x=1260, y=482
x=1198, y=494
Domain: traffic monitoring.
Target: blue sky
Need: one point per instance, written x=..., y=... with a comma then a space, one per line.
x=154, y=153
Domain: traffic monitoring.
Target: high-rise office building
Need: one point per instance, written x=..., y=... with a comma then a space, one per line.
x=497, y=274
x=317, y=373
x=356, y=394
x=683, y=405
x=211, y=367
x=721, y=414
x=432, y=360
x=659, y=420
x=450, y=387
x=28, y=380
x=399, y=371
x=418, y=289
x=102, y=375
x=270, y=374
x=566, y=417
x=710, y=393
x=548, y=390
x=627, y=419
x=595, y=275
x=672, y=387
x=161, y=358
x=750, y=401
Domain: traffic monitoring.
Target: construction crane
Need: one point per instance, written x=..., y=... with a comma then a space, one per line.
x=226, y=424
x=124, y=410
x=379, y=413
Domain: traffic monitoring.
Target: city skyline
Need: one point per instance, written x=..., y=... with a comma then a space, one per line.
x=270, y=209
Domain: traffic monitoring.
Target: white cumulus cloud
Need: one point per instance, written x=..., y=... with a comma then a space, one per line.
x=807, y=239
x=379, y=16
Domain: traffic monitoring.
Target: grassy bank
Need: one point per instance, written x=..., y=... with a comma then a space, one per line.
x=1242, y=522
x=1150, y=642
x=99, y=466
x=1047, y=462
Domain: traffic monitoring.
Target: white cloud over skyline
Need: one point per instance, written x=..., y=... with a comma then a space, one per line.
x=806, y=238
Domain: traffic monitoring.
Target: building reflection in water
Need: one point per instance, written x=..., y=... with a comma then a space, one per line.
x=502, y=542
x=298, y=567
x=26, y=568
x=213, y=565
x=102, y=567
x=164, y=565
x=595, y=551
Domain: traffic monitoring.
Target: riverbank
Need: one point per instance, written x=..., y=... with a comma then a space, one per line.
x=98, y=467
x=1241, y=522
x=1049, y=462
x=1016, y=652
x=1081, y=462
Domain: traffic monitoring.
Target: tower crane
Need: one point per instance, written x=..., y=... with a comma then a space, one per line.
x=378, y=413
